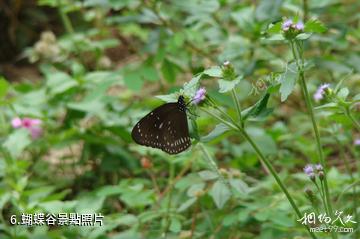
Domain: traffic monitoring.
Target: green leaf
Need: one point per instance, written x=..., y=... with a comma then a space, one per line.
x=191, y=192
x=230, y=219
x=356, y=97
x=168, y=71
x=214, y=71
x=208, y=175
x=17, y=142
x=275, y=28
x=58, y=206
x=149, y=73
x=343, y=93
x=133, y=80
x=217, y=131
x=90, y=204
x=191, y=86
x=303, y=36
x=275, y=37
x=175, y=225
x=268, y=9
x=341, y=81
x=187, y=204
x=59, y=82
x=4, y=85
x=168, y=98
x=287, y=83
x=226, y=86
x=109, y=190
x=315, y=26
x=239, y=185
x=331, y=105
x=257, y=109
x=220, y=194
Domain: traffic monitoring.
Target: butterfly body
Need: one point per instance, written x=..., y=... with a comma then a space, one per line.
x=165, y=128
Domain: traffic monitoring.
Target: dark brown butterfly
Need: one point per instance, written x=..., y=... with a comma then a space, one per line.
x=165, y=128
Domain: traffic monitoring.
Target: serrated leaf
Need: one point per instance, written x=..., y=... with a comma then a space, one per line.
x=303, y=36
x=356, y=97
x=314, y=25
x=220, y=194
x=217, y=131
x=208, y=175
x=275, y=37
x=275, y=28
x=187, y=204
x=338, y=85
x=175, y=225
x=191, y=192
x=17, y=142
x=226, y=86
x=343, y=93
x=59, y=82
x=168, y=98
x=214, y=71
x=239, y=185
x=287, y=83
x=191, y=86
x=89, y=204
x=257, y=108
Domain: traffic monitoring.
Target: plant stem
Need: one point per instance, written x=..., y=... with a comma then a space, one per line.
x=230, y=125
x=264, y=161
x=352, y=118
x=274, y=174
x=298, y=53
x=65, y=19
x=237, y=105
x=305, y=9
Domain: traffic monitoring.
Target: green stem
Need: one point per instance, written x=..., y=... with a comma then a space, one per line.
x=264, y=161
x=65, y=19
x=237, y=104
x=305, y=10
x=310, y=110
x=322, y=195
x=274, y=174
x=352, y=118
x=230, y=125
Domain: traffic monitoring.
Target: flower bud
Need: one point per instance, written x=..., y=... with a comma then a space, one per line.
x=309, y=192
x=228, y=71
x=321, y=175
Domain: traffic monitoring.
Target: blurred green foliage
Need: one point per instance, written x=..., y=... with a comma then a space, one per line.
x=101, y=74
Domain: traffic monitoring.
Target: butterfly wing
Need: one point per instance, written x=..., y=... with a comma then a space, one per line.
x=164, y=128
x=176, y=135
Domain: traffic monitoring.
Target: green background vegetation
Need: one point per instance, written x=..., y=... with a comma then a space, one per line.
x=91, y=69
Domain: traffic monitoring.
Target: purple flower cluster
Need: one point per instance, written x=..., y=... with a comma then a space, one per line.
x=319, y=94
x=311, y=169
x=200, y=95
x=33, y=125
x=357, y=142
x=289, y=24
